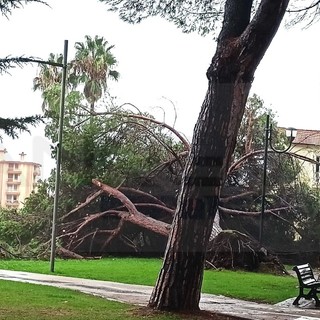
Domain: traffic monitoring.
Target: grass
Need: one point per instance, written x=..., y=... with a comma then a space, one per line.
x=35, y=302
x=242, y=285
x=250, y=286
x=125, y=270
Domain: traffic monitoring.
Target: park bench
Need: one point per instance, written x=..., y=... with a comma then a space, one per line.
x=307, y=281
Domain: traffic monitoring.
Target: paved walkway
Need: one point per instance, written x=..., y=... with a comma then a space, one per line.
x=139, y=295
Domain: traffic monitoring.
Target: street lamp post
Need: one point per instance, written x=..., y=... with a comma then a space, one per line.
x=59, y=152
x=59, y=146
x=290, y=132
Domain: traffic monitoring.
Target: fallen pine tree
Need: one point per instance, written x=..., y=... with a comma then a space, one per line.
x=129, y=223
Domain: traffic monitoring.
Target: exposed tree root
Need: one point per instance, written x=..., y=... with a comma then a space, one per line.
x=234, y=250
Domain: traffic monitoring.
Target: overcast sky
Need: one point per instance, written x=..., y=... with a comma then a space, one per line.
x=156, y=62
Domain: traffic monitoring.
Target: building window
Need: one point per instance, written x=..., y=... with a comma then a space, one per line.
x=13, y=177
x=12, y=198
x=13, y=166
x=12, y=187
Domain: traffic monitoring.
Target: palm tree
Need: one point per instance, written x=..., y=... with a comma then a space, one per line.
x=93, y=64
x=48, y=75
x=48, y=78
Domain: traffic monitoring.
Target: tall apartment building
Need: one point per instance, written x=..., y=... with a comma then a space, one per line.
x=17, y=180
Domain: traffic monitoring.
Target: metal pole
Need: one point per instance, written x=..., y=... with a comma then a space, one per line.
x=264, y=179
x=59, y=151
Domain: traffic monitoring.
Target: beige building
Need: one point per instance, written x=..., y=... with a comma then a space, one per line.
x=17, y=180
x=307, y=144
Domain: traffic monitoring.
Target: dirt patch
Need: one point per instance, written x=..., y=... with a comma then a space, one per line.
x=41, y=313
x=148, y=313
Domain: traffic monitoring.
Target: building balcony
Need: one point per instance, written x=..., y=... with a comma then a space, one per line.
x=12, y=203
x=14, y=192
x=13, y=171
x=11, y=181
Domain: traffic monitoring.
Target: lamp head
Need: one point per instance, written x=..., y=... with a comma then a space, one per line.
x=291, y=133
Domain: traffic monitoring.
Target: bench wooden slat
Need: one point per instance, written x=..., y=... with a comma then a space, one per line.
x=307, y=281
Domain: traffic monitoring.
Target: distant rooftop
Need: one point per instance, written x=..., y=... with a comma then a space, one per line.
x=310, y=137
x=22, y=158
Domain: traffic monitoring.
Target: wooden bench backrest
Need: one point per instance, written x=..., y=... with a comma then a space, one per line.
x=305, y=274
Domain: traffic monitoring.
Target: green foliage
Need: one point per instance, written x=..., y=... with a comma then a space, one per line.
x=87, y=72
x=48, y=82
x=292, y=203
x=308, y=218
x=200, y=16
x=292, y=206
x=114, y=145
x=13, y=126
x=111, y=145
x=110, y=148
x=92, y=65
x=11, y=62
x=6, y=6
x=16, y=231
x=23, y=232
x=252, y=130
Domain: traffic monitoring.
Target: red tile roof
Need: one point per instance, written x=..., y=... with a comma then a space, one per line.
x=311, y=137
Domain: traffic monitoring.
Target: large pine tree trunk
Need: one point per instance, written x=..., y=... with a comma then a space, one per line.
x=241, y=46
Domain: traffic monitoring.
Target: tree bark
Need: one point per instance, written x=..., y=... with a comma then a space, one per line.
x=241, y=46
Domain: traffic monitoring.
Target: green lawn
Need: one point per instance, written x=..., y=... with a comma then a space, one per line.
x=36, y=302
x=125, y=270
x=237, y=284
